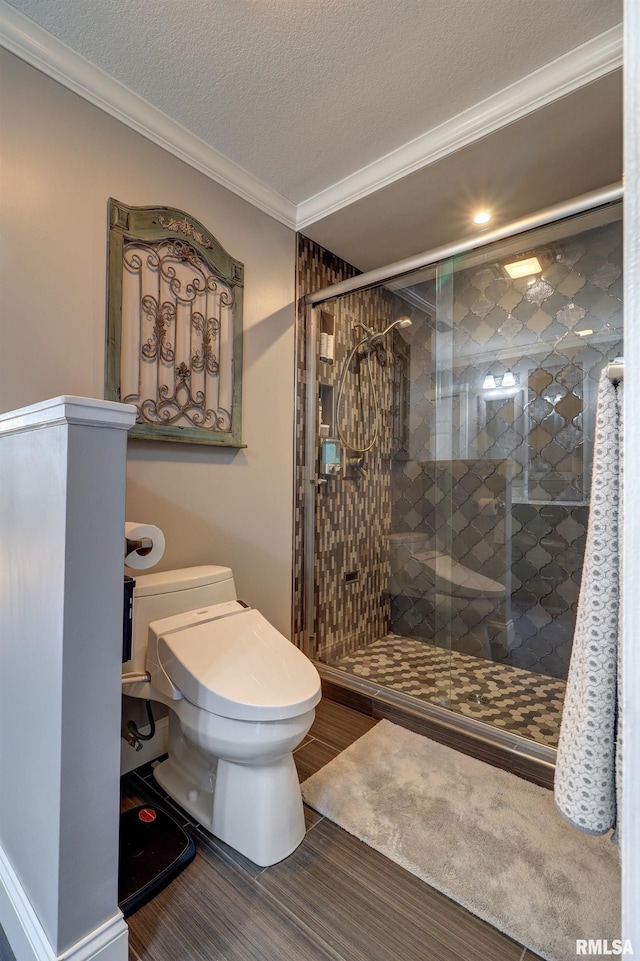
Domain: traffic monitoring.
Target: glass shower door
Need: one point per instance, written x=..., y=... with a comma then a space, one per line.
x=422, y=487
x=534, y=323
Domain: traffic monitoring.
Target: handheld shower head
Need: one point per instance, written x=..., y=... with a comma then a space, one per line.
x=376, y=337
x=370, y=342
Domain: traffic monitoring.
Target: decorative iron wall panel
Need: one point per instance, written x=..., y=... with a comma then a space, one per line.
x=174, y=338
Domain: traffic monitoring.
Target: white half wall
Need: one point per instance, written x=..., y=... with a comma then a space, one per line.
x=62, y=476
x=62, y=158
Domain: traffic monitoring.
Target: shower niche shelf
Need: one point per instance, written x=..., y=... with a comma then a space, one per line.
x=326, y=419
x=326, y=337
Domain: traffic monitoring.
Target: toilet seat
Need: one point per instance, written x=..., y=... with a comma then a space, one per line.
x=237, y=665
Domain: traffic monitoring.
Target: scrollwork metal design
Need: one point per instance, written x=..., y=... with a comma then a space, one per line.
x=205, y=358
x=185, y=227
x=170, y=408
x=161, y=317
x=183, y=282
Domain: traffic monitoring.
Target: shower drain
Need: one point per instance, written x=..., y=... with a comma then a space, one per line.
x=479, y=698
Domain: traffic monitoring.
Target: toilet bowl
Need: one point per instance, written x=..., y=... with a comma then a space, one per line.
x=241, y=699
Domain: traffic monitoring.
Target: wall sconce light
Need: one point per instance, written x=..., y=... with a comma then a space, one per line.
x=508, y=379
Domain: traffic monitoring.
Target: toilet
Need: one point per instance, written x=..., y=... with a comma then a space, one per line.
x=241, y=698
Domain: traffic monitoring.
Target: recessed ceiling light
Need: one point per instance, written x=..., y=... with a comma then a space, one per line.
x=584, y=333
x=482, y=217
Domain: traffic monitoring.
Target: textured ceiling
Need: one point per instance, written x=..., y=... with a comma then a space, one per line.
x=302, y=94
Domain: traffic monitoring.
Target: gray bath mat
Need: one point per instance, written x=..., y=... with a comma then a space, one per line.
x=485, y=838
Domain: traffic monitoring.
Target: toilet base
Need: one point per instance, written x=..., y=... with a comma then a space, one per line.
x=255, y=809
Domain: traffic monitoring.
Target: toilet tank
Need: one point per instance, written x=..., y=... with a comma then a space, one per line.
x=156, y=596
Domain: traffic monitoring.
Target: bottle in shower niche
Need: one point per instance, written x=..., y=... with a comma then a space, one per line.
x=329, y=349
x=327, y=339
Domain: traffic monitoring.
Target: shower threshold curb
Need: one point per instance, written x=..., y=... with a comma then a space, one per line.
x=511, y=752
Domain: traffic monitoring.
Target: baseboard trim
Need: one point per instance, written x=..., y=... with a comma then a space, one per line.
x=28, y=940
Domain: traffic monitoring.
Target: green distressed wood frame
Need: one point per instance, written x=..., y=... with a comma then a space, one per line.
x=153, y=225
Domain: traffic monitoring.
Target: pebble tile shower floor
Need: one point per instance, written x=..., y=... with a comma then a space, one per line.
x=521, y=702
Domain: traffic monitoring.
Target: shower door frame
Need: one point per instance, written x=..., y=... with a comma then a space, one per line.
x=444, y=717
x=373, y=278
x=310, y=480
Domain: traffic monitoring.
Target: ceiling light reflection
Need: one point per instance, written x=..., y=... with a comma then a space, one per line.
x=523, y=268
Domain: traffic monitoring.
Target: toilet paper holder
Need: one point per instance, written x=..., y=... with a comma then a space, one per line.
x=142, y=546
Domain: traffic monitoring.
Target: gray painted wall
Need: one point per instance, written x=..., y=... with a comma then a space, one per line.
x=61, y=628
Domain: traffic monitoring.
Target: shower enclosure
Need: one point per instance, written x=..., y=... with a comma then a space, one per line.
x=446, y=420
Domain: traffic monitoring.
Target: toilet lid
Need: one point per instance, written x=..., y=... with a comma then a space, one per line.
x=241, y=667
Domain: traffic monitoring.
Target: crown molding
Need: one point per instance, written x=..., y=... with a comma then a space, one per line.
x=582, y=65
x=27, y=40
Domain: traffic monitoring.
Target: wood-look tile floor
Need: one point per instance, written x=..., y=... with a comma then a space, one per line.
x=333, y=899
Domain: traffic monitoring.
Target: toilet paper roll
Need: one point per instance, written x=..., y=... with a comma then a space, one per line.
x=140, y=556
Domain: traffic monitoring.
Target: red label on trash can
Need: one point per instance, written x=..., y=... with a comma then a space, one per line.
x=147, y=814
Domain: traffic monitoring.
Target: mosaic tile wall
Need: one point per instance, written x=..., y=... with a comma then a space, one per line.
x=540, y=429
x=316, y=268
x=353, y=511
